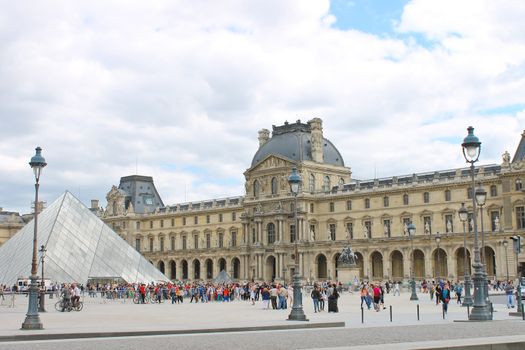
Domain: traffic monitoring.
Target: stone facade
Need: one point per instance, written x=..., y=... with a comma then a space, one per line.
x=251, y=237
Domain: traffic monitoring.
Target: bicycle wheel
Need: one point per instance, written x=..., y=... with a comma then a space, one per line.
x=58, y=305
x=79, y=306
x=136, y=300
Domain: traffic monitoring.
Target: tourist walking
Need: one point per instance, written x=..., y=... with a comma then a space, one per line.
x=316, y=295
x=509, y=291
x=445, y=297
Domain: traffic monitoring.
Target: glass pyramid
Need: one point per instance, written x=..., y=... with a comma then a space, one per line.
x=79, y=247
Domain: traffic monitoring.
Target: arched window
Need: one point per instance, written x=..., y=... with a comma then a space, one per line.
x=326, y=184
x=274, y=185
x=271, y=233
x=256, y=188
x=312, y=183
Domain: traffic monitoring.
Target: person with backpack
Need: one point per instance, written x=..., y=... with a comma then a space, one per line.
x=316, y=296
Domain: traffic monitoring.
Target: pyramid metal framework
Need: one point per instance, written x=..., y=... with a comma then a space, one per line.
x=79, y=247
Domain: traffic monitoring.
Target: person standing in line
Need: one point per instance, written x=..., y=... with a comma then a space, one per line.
x=273, y=296
x=266, y=298
x=377, y=296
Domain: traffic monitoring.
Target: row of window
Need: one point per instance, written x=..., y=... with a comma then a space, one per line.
x=274, y=185
x=386, y=199
x=220, y=218
x=207, y=243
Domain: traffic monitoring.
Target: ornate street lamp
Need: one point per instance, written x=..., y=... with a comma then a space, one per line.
x=505, y=244
x=438, y=240
x=297, y=313
x=463, y=217
x=471, y=147
x=481, y=197
x=32, y=320
x=411, y=228
x=41, y=306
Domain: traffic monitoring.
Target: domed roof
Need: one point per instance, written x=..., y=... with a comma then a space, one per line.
x=294, y=142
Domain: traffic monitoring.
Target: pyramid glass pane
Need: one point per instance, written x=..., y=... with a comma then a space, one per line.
x=79, y=246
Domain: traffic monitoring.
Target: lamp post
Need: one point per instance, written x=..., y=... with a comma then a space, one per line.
x=41, y=306
x=32, y=320
x=411, y=228
x=463, y=217
x=297, y=313
x=481, y=197
x=471, y=147
x=438, y=240
x=505, y=245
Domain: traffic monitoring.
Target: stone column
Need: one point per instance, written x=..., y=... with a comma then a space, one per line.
x=452, y=265
x=429, y=271
x=367, y=269
x=407, y=262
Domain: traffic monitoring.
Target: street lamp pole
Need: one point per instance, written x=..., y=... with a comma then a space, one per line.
x=297, y=313
x=481, y=197
x=471, y=149
x=32, y=320
x=438, y=240
x=411, y=228
x=463, y=217
x=41, y=306
x=505, y=244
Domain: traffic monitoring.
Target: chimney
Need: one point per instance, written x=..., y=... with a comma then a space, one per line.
x=316, y=126
x=264, y=136
x=94, y=204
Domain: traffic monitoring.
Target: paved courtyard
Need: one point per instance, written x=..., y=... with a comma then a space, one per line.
x=102, y=318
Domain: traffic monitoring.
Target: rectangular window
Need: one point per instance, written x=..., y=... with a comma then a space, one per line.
x=220, y=217
x=469, y=193
x=367, y=203
x=449, y=223
x=184, y=243
x=292, y=233
x=234, y=216
x=161, y=244
x=221, y=239
x=332, y=232
x=172, y=239
x=207, y=219
x=427, y=225
x=196, y=220
x=137, y=244
x=386, y=202
x=368, y=229
x=196, y=242
x=137, y=225
x=448, y=196
x=426, y=197
x=254, y=235
x=470, y=223
x=208, y=241
x=405, y=199
x=350, y=230
x=234, y=238
x=386, y=227
x=151, y=244
x=172, y=222
x=151, y=224
x=520, y=218
x=493, y=191
x=348, y=205
x=331, y=207
x=161, y=223
x=123, y=224
x=184, y=221
x=311, y=207
x=494, y=221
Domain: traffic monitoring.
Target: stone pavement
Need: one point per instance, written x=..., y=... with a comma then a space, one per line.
x=115, y=318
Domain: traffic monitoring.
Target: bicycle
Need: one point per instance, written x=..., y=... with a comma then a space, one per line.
x=78, y=306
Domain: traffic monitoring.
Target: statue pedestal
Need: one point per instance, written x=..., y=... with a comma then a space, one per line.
x=347, y=274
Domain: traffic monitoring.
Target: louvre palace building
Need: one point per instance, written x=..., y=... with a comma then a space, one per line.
x=252, y=236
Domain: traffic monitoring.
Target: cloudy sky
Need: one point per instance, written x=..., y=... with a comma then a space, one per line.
x=178, y=89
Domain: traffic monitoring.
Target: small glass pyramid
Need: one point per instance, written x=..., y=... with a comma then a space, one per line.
x=79, y=247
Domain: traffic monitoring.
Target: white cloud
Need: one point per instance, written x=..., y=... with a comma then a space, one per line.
x=179, y=90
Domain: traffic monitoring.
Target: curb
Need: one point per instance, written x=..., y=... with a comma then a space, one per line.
x=61, y=336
